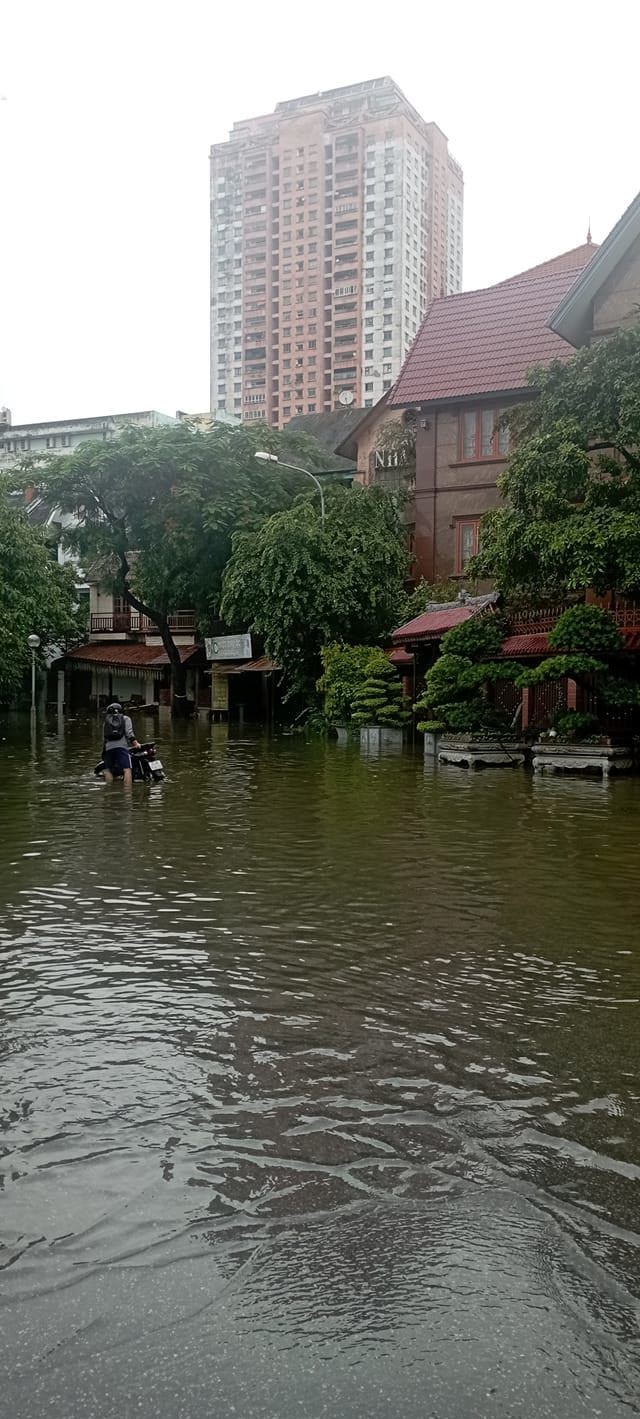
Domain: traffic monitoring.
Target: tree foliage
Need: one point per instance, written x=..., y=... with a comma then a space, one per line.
x=415, y=601
x=380, y=699
x=300, y=585
x=571, y=517
x=457, y=693
x=160, y=506
x=586, y=628
x=557, y=667
x=36, y=597
x=343, y=674
x=479, y=638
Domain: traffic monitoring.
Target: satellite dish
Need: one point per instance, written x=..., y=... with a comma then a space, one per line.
x=345, y=397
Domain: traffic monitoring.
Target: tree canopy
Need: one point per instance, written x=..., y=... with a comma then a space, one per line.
x=37, y=597
x=301, y=585
x=159, y=508
x=571, y=517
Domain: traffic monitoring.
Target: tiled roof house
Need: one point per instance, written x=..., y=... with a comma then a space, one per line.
x=468, y=363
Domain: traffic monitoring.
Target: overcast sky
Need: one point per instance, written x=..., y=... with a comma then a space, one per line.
x=108, y=111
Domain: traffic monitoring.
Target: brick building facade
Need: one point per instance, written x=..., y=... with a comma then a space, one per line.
x=467, y=367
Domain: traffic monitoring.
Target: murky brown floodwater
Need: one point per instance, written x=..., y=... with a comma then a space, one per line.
x=320, y=1088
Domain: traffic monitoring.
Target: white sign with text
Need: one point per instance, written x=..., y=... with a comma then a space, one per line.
x=228, y=647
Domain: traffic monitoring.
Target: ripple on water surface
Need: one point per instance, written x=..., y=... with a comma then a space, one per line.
x=320, y=1087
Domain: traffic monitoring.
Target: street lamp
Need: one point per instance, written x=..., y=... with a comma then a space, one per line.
x=295, y=468
x=33, y=643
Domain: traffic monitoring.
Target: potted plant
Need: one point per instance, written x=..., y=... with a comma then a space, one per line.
x=463, y=724
x=380, y=708
x=586, y=639
x=344, y=670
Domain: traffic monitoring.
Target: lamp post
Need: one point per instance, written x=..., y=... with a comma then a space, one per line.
x=295, y=468
x=33, y=643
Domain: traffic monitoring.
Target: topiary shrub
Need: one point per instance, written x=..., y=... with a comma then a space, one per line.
x=456, y=695
x=344, y=673
x=589, y=629
x=619, y=693
x=479, y=638
x=575, y=725
x=557, y=666
x=380, y=700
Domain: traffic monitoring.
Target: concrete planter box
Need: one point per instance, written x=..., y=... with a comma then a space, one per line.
x=479, y=753
x=342, y=735
x=582, y=759
x=378, y=739
x=431, y=745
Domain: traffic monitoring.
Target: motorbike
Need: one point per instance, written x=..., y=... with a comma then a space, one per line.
x=145, y=765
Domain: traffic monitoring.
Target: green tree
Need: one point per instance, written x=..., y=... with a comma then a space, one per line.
x=571, y=517
x=343, y=674
x=457, y=693
x=36, y=597
x=414, y=602
x=379, y=700
x=587, y=645
x=160, y=506
x=301, y=584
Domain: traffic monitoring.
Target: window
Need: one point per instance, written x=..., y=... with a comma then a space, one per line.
x=480, y=437
x=467, y=542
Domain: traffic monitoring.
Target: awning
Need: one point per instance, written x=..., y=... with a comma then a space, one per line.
x=127, y=656
x=263, y=666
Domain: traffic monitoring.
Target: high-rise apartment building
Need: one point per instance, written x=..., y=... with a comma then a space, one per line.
x=334, y=221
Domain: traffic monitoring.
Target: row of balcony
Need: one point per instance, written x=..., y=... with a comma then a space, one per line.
x=131, y=622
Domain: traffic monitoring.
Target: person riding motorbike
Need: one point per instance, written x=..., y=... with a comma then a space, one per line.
x=118, y=738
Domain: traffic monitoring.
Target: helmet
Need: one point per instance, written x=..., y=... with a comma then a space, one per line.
x=115, y=706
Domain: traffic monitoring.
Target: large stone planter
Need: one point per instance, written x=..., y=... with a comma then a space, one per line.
x=378, y=739
x=479, y=753
x=342, y=735
x=581, y=758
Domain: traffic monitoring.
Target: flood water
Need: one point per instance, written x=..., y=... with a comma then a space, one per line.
x=320, y=1087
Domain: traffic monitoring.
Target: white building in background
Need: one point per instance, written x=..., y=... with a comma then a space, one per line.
x=63, y=435
x=335, y=221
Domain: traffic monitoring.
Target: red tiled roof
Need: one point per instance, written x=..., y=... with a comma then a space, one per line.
x=535, y=643
x=431, y=625
x=263, y=664
x=568, y=261
x=104, y=654
x=402, y=659
x=126, y=654
x=240, y=667
x=186, y=652
x=483, y=342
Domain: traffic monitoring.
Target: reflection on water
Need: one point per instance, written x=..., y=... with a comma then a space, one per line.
x=320, y=1087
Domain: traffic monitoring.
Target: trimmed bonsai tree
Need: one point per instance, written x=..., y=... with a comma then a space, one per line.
x=344, y=674
x=380, y=699
x=457, y=697
x=585, y=639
